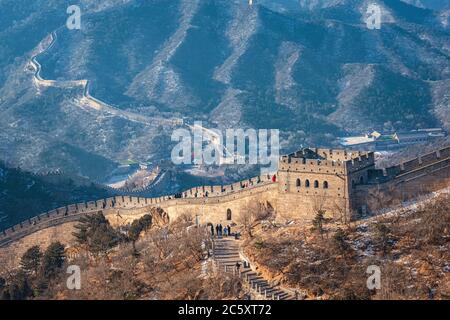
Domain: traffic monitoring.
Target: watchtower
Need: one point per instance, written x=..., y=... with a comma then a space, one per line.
x=312, y=180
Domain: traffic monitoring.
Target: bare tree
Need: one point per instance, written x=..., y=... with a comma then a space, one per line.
x=252, y=213
x=319, y=202
x=186, y=218
x=340, y=212
x=377, y=199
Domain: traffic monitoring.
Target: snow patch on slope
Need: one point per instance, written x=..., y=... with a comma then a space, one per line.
x=97, y=6
x=440, y=91
x=358, y=77
x=228, y=113
x=386, y=14
x=288, y=55
x=416, y=3
x=315, y=4
x=239, y=32
x=159, y=81
x=444, y=17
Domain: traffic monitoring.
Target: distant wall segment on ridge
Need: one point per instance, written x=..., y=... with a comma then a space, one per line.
x=404, y=181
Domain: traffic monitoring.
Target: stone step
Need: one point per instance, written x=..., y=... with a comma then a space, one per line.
x=228, y=261
x=235, y=258
x=226, y=253
x=261, y=283
x=251, y=275
x=268, y=292
x=217, y=256
x=220, y=252
x=256, y=277
x=229, y=265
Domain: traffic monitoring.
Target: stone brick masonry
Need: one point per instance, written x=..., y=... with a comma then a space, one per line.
x=338, y=182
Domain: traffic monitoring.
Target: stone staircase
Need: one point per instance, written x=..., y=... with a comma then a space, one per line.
x=226, y=255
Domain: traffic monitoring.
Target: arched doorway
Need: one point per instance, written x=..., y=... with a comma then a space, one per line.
x=228, y=214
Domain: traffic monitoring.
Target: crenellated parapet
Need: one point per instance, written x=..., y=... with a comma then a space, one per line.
x=361, y=162
x=311, y=165
x=217, y=191
x=72, y=212
x=417, y=164
x=336, y=178
x=326, y=161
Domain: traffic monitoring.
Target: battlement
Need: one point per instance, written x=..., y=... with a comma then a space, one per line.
x=342, y=155
x=326, y=161
x=363, y=160
x=73, y=211
x=211, y=191
x=417, y=163
x=310, y=165
x=343, y=169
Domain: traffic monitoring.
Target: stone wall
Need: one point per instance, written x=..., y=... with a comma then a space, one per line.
x=405, y=181
x=123, y=209
x=58, y=226
x=10, y=254
x=298, y=191
x=215, y=209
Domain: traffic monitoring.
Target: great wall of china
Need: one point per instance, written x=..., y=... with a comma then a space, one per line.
x=133, y=207
x=161, y=178
x=344, y=179
x=292, y=192
x=87, y=99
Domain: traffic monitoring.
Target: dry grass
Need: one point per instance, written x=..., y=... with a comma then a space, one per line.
x=411, y=250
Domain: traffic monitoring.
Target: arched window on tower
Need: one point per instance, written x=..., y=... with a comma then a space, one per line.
x=325, y=184
x=298, y=183
x=307, y=183
x=228, y=214
x=316, y=184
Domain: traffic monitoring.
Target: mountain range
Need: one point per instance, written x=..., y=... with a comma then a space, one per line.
x=83, y=101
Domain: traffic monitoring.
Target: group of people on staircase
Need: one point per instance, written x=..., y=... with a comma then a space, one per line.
x=220, y=230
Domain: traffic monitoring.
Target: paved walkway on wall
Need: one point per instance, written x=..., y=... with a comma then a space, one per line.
x=226, y=255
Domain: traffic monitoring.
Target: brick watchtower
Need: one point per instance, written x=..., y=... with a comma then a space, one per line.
x=321, y=179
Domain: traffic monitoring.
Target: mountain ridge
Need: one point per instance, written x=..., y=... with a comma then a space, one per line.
x=229, y=65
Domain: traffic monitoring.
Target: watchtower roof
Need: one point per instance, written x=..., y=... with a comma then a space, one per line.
x=306, y=153
x=317, y=154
